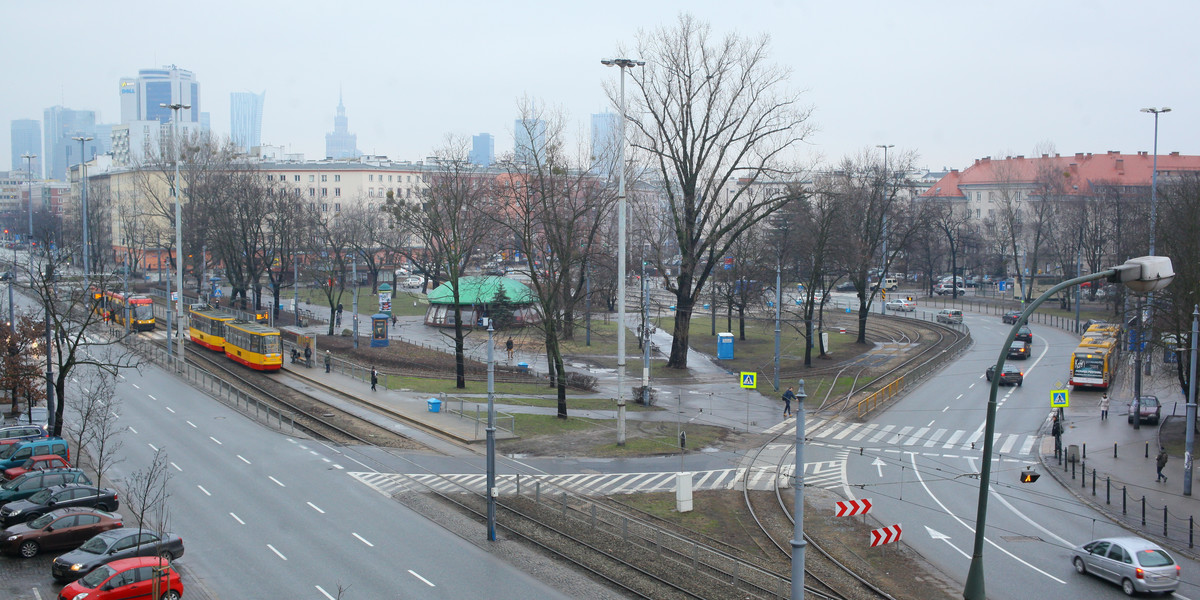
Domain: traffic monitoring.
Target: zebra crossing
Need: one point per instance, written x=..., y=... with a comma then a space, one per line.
x=911, y=437
x=825, y=474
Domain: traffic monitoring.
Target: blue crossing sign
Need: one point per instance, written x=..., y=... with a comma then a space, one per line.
x=1058, y=398
x=749, y=379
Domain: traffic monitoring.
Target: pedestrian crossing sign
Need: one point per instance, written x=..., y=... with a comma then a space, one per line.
x=749, y=379
x=1058, y=399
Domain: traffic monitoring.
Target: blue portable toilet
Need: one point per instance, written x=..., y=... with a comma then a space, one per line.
x=725, y=346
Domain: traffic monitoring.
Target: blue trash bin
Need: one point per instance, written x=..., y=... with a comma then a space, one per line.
x=435, y=405
x=524, y=367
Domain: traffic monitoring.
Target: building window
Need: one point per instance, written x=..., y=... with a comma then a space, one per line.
x=389, y=177
x=337, y=177
x=337, y=207
x=324, y=207
x=312, y=192
x=371, y=177
x=324, y=177
x=408, y=193
x=297, y=192
x=991, y=212
x=989, y=197
x=269, y=178
x=979, y=196
x=312, y=206
x=977, y=211
x=337, y=192
x=311, y=178
x=297, y=178
x=371, y=192
x=324, y=192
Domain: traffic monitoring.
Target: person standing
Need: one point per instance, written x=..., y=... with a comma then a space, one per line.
x=508, y=346
x=308, y=356
x=328, y=361
x=1057, y=430
x=374, y=378
x=788, y=396
x=1161, y=462
x=1104, y=407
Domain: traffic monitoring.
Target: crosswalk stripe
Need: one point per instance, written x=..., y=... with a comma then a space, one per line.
x=864, y=432
x=973, y=439
x=954, y=438
x=847, y=431
x=937, y=435
x=1008, y=444
x=878, y=436
x=916, y=437
x=896, y=438
x=1028, y=445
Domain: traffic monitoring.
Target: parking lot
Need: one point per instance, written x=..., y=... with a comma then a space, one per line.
x=29, y=579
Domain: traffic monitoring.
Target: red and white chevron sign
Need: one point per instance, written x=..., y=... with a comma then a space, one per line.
x=885, y=535
x=849, y=508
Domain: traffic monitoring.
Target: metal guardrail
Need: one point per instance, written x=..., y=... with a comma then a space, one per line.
x=901, y=383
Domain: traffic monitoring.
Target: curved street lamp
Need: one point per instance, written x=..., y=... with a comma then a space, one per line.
x=1143, y=275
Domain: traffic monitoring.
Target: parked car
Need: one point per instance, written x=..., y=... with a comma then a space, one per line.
x=59, y=496
x=115, y=544
x=1024, y=334
x=1133, y=563
x=1149, y=410
x=37, y=416
x=21, y=432
x=128, y=578
x=40, y=462
x=943, y=289
x=412, y=282
x=1010, y=318
x=60, y=529
x=889, y=283
x=1020, y=350
x=1010, y=376
x=845, y=286
x=950, y=315
x=33, y=482
x=15, y=454
x=900, y=305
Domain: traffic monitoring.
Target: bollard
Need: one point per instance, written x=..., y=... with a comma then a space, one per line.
x=1147, y=448
x=1164, y=521
x=1072, y=469
x=1108, y=490
x=1190, y=531
x=1143, y=511
x=1085, y=449
x=1124, y=500
x=1114, y=449
x=1093, y=482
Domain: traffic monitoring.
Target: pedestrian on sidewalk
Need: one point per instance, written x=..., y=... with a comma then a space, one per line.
x=374, y=378
x=788, y=396
x=509, y=347
x=328, y=361
x=1104, y=407
x=1161, y=462
x=1056, y=430
x=308, y=356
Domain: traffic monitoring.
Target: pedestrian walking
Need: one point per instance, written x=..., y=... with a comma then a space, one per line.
x=374, y=378
x=788, y=396
x=328, y=361
x=1057, y=430
x=508, y=346
x=1104, y=407
x=1161, y=462
x=308, y=356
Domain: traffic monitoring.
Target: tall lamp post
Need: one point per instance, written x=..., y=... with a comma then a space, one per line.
x=1190, y=438
x=624, y=64
x=1145, y=274
x=175, y=108
x=29, y=242
x=798, y=542
x=882, y=267
x=83, y=140
x=1153, y=206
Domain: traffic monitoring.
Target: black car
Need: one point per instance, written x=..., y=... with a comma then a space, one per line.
x=33, y=482
x=1020, y=350
x=1010, y=376
x=115, y=544
x=59, y=496
x=1024, y=334
x=1010, y=318
x=845, y=286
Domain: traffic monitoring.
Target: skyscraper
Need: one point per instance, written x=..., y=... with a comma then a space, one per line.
x=483, y=149
x=27, y=139
x=61, y=151
x=605, y=138
x=341, y=143
x=141, y=97
x=529, y=139
x=245, y=119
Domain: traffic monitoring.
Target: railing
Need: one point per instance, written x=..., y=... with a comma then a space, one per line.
x=897, y=386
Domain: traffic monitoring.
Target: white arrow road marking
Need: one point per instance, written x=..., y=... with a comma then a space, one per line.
x=937, y=535
x=1020, y=514
x=879, y=464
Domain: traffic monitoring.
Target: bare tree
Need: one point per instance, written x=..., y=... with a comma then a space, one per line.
x=952, y=221
x=94, y=427
x=706, y=112
x=1178, y=221
x=21, y=373
x=147, y=491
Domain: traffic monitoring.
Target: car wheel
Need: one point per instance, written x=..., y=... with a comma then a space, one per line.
x=1129, y=419
x=1127, y=587
x=1020, y=383
x=29, y=549
x=171, y=595
x=166, y=555
x=1079, y=566
x=103, y=507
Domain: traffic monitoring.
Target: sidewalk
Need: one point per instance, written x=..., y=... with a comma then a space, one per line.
x=1130, y=475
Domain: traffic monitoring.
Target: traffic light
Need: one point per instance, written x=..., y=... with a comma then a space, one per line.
x=1029, y=476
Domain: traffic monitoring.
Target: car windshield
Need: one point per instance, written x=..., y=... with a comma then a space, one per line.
x=96, y=545
x=1149, y=401
x=1154, y=558
x=97, y=577
x=8, y=450
x=40, y=497
x=12, y=485
x=42, y=521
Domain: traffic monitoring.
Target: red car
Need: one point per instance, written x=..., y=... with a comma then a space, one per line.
x=127, y=578
x=40, y=462
x=65, y=528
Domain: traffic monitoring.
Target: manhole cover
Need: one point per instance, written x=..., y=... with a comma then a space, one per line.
x=1020, y=538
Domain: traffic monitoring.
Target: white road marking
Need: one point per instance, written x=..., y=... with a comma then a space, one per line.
x=886, y=429
x=191, y=423
x=244, y=459
x=959, y=397
x=970, y=386
x=133, y=430
x=276, y=481
x=916, y=437
x=136, y=386
x=235, y=518
x=847, y=431
x=170, y=409
x=176, y=467
x=206, y=492
x=277, y=553
x=933, y=439
x=152, y=398
x=152, y=447
x=315, y=507
x=931, y=423
x=216, y=440
x=946, y=409
x=362, y=539
x=324, y=592
x=414, y=574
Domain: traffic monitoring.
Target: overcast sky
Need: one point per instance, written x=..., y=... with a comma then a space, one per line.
x=950, y=81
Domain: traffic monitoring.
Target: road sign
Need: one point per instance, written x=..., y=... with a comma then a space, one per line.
x=749, y=380
x=174, y=296
x=850, y=508
x=885, y=535
x=1058, y=399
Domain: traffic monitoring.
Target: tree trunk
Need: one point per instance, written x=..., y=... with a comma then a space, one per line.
x=460, y=369
x=683, y=321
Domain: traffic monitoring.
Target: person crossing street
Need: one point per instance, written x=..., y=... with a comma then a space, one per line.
x=788, y=396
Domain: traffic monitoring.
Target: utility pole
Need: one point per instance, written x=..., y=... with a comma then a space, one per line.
x=175, y=108
x=798, y=542
x=354, y=303
x=491, y=434
x=1190, y=438
x=778, y=306
x=83, y=140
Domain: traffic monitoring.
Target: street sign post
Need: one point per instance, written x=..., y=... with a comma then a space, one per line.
x=885, y=535
x=749, y=380
x=1058, y=399
x=850, y=508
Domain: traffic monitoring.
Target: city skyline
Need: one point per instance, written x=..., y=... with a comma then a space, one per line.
x=948, y=82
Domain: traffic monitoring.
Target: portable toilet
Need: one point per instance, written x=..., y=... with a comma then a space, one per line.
x=725, y=346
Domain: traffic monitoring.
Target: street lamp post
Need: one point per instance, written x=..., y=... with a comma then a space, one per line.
x=1190, y=438
x=1153, y=206
x=798, y=542
x=175, y=108
x=83, y=140
x=883, y=267
x=1144, y=274
x=624, y=64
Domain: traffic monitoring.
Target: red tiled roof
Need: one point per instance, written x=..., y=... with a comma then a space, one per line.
x=1084, y=169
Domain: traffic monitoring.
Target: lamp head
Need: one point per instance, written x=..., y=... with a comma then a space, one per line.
x=800, y=393
x=1145, y=274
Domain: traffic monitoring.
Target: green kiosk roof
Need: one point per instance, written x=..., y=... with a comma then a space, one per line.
x=482, y=290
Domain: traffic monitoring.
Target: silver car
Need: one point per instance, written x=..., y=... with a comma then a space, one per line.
x=1134, y=563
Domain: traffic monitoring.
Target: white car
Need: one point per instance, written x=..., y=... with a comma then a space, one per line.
x=900, y=305
x=413, y=282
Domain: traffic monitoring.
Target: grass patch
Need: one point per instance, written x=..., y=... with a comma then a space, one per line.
x=660, y=438
x=576, y=403
x=368, y=303
x=534, y=425
x=662, y=505
x=431, y=385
